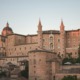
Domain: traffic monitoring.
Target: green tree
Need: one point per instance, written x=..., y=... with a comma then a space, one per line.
x=25, y=72
x=69, y=58
x=3, y=74
x=65, y=60
x=69, y=77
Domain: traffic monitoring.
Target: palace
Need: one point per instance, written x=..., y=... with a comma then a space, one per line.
x=42, y=50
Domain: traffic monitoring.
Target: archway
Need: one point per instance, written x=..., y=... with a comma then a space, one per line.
x=25, y=71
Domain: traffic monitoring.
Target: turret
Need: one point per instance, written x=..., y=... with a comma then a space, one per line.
x=7, y=24
x=39, y=34
x=39, y=26
x=62, y=39
x=62, y=26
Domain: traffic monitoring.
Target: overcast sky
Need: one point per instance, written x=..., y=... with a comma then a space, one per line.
x=23, y=15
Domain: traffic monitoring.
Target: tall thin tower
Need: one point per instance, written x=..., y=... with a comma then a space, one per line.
x=62, y=39
x=39, y=34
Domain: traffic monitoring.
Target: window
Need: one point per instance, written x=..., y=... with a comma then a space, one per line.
x=53, y=77
x=51, y=46
x=25, y=48
x=10, y=53
x=34, y=66
x=35, y=78
x=39, y=59
x=30, y=47
x=34, y=61
x=58, y=40
x=75, y=53
x=34, y=71
x=22, y=54
x=51, y=39
x=43, y=40
x=73, y=45
x=20, y=48
x=15, y=49
x=11, y=59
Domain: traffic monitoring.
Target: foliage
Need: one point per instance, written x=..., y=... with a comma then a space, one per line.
x=25, y=72
x=71, y=60
x=79, y=51
x=65, y=60
x=78, y=59
x=69, y=77
x=2, y=74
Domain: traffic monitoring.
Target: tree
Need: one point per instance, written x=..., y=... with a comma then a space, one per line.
x=65, y=60
x=25, y=72
x=79, y=51
x=68, y=59
x=3, y=74
x=69, y=77
x=78, y=59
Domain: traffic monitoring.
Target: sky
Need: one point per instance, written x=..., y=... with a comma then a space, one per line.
x=23, y=15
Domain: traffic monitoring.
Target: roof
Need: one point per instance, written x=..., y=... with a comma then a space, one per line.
x=17, y=34
x=51, y=32
x=72, y=30
x=47, y=51
x=32, y=35
x=7, y=30
x=22, y=35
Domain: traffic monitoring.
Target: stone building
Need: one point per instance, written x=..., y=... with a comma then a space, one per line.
x=41, y=50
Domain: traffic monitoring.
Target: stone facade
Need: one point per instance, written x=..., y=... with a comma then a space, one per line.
x=41, y=50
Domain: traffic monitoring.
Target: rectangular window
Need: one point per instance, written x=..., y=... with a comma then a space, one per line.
x=10, y=53
x=58, y=40
x=20, y=48
x=34, y=61
x=25, y=48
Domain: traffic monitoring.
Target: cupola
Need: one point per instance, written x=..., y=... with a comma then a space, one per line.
x=7, y=30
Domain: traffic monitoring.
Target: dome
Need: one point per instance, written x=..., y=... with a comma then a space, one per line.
x=7, y=30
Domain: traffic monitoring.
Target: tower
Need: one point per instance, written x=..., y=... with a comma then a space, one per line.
x=39, y=34
x=62, y=39
x=40, y=65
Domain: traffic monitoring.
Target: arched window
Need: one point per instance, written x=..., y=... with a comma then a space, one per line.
x=51, y=39
x=51, y=46
x=43, y=41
